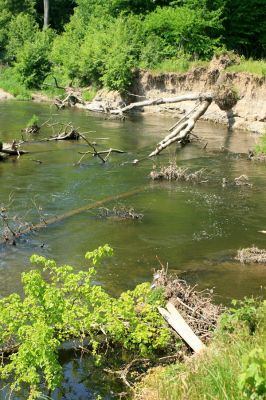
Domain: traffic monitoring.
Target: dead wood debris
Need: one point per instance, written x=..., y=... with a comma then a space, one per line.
x=172, y=172
x=121, y=213
x=256, y=157
x=196, y=307
x=251, y=255
x=242, y=180
x=33, y=129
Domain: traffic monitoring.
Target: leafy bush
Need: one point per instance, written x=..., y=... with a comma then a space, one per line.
x=109, y=54
x=69, y=305
x=72, y=39
x=33, y=63
x=22, y=29
x=232, y=367
x=252, y=381
x=11, y=83
x=185, y=29
x=243, y=311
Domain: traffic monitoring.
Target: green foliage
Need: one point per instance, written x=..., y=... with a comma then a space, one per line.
x=68, y=61
x=110, y=53
x=231, y=367
x=11, y=83
x=33, y=121
x=69, y=305
x=22, y=29
x=243, y=311
x=103, y=42
x=245, y=27
x=252, y=381
x=33, y=64
x=180, y=65
x=261, y=146
x=9, y=9
x=96, y=255
x=256, y=67
x=89, y=94
x=184, y=29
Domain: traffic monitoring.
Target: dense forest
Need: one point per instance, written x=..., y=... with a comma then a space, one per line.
x=91, y=42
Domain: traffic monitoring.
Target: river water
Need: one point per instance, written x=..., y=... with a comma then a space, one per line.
x=195, y=228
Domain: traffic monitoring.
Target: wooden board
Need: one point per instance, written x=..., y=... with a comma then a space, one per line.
x=177, y=322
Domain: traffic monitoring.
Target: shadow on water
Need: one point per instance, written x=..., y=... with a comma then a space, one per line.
x=196, y=229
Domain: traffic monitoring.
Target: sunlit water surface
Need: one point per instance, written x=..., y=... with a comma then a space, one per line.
x=194, y=228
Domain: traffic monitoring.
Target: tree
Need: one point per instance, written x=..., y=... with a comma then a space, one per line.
x=245, y=27
x=45, y=13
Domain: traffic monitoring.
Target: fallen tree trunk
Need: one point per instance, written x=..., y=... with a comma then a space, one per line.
x=163, y=100
x=181, y=131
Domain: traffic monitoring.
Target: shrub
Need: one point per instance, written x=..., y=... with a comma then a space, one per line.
x=33, y=62
x=59, y=305
x=22, y=29
x=10, y=81
x=185, y=29
x=252, y=381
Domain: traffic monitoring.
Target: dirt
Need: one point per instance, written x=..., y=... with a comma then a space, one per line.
x=248, y=113
x=5, y=95
x=247, y=94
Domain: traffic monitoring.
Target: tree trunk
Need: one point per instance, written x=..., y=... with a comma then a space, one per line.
x=182, y=130
x=45, y=13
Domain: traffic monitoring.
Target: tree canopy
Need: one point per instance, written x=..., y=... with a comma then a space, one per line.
x=101, y=43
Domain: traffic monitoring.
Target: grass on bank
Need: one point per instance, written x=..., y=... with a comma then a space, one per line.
x=233, y=367
x=178, y=65
x=260, y=148
x=10, y=82
x=255, y=67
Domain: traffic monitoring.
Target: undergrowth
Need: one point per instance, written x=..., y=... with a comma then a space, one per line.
x=179, y=65
x=233, y=367
x=260, y=148
x=11, y=83
x=257, y=67
x=60, y=304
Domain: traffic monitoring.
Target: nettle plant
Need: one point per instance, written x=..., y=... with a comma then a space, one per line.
x=59, y=305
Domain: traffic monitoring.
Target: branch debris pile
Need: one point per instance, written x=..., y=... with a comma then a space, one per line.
x=196, y=307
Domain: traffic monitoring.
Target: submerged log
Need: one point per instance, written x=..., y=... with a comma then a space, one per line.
x=53, y=220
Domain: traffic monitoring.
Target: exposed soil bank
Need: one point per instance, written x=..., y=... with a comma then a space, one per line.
x=249, y=113
x=5, y=95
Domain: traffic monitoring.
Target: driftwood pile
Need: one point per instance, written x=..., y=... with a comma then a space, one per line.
x=172, y=172
x=251, y=255
x=196, y=307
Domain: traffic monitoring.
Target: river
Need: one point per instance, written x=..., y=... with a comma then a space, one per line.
x=194, y=228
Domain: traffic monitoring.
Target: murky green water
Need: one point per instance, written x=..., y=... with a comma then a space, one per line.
x=196, y=229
